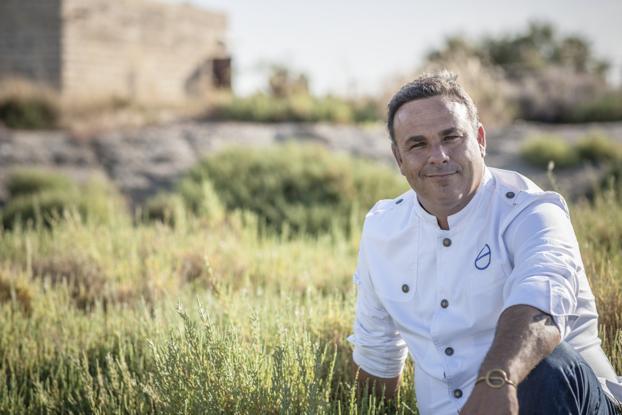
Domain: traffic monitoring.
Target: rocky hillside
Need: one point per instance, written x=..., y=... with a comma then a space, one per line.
x=146, y=160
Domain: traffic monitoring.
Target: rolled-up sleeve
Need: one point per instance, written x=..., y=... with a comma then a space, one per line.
x=546, y=262
x=378, y=347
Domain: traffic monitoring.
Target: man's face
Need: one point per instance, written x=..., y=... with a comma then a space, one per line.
x=440, y=152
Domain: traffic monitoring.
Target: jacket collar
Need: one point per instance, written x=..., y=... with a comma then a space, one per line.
x=458, y=218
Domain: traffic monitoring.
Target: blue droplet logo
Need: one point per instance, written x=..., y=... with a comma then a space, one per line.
x=482, y=261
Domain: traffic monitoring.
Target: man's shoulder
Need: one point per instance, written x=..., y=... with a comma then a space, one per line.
x=519, y=192
x=514, y=181
x=389, y=212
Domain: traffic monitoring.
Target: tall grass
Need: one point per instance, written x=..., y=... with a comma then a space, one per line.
x=209, y=315
x=260, y=328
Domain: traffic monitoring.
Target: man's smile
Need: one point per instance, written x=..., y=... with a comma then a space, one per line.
x=440, y=175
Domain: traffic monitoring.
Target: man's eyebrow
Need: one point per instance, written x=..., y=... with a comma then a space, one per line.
x=452, y=130
x=415, y=138
x=447, y=131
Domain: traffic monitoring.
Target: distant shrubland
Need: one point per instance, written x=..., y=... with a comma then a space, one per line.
x=595, y=147
x=537, y=74
x=288, y=98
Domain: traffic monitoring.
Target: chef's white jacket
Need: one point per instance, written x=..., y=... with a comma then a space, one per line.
x=439, y=293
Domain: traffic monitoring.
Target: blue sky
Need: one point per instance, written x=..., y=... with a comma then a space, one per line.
x=355, y=47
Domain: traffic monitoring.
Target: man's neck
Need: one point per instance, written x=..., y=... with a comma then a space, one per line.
x=443, y=222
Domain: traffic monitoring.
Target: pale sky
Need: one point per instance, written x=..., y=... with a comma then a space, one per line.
x=354, y=46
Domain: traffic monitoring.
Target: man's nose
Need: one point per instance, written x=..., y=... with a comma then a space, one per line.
x=438, y=154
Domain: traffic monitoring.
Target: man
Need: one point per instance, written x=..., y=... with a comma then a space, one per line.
x=475, y=271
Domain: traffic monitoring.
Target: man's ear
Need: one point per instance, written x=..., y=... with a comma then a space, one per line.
x=397, y=155
x=481, y=139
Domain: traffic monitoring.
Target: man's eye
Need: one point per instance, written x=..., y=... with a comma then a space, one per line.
x=417, y=145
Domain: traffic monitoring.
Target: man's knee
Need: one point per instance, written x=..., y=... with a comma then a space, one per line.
x=555, y=368
x=562, y=383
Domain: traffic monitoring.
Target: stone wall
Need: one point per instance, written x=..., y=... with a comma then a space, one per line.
x=99, y=49
x=30, y=33
x=138, y=49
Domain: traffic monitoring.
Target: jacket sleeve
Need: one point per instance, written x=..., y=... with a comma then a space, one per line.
x=378, y=347
x=546, y=262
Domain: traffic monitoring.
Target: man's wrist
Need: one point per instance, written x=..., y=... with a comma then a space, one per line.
x=496, y=379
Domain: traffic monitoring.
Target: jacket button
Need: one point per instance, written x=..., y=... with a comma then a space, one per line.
x=457, y=393
x=397, y=202
x=444, y=303
x=405, y=288
x=446, y=242
x=449, y=351
x=510, y=195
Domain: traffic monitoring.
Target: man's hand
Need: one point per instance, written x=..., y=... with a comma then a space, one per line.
x=485, y=400
x=381, y=387
x=524, y=336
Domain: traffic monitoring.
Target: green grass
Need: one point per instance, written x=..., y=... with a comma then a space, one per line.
x=209, y=315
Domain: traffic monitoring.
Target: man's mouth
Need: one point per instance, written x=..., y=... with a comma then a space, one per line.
x=440, y=174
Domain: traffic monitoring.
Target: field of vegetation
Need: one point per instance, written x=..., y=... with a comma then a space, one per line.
x=230, y=294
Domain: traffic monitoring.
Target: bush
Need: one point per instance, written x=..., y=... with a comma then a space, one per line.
x=28, y=106
x=41, y=201
x=303, y=188
x=261, y=107
x=39, y=208
x=594, y=147
x=598, y=148
x=163, y=207
x=536, y=74
x=30, y=181
x=540, y=150
x=201, y=198
x=607, y=107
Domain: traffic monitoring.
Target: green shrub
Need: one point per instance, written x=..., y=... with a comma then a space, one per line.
x=261, y=107
x=303, y=188
x=28, y=106
x=201, y=198
x=597, y=148
x=540, y=150
x=163, y=207
x=30, y=181
x=606, y=107
x=40, y=201
x=39, y=208
x=333, y=109
x=258, y=107
x=367, y=110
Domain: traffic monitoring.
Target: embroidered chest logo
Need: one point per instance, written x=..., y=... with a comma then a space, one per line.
x=482, y=261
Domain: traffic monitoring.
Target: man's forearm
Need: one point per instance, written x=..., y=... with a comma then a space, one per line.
x=524, y=336
x=388, y=387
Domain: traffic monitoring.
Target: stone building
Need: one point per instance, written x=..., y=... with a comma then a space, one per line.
x=141, y=50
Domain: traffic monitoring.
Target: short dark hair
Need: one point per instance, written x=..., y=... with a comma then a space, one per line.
x=443, y=83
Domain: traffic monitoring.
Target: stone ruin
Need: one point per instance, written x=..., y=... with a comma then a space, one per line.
x=140, y=50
